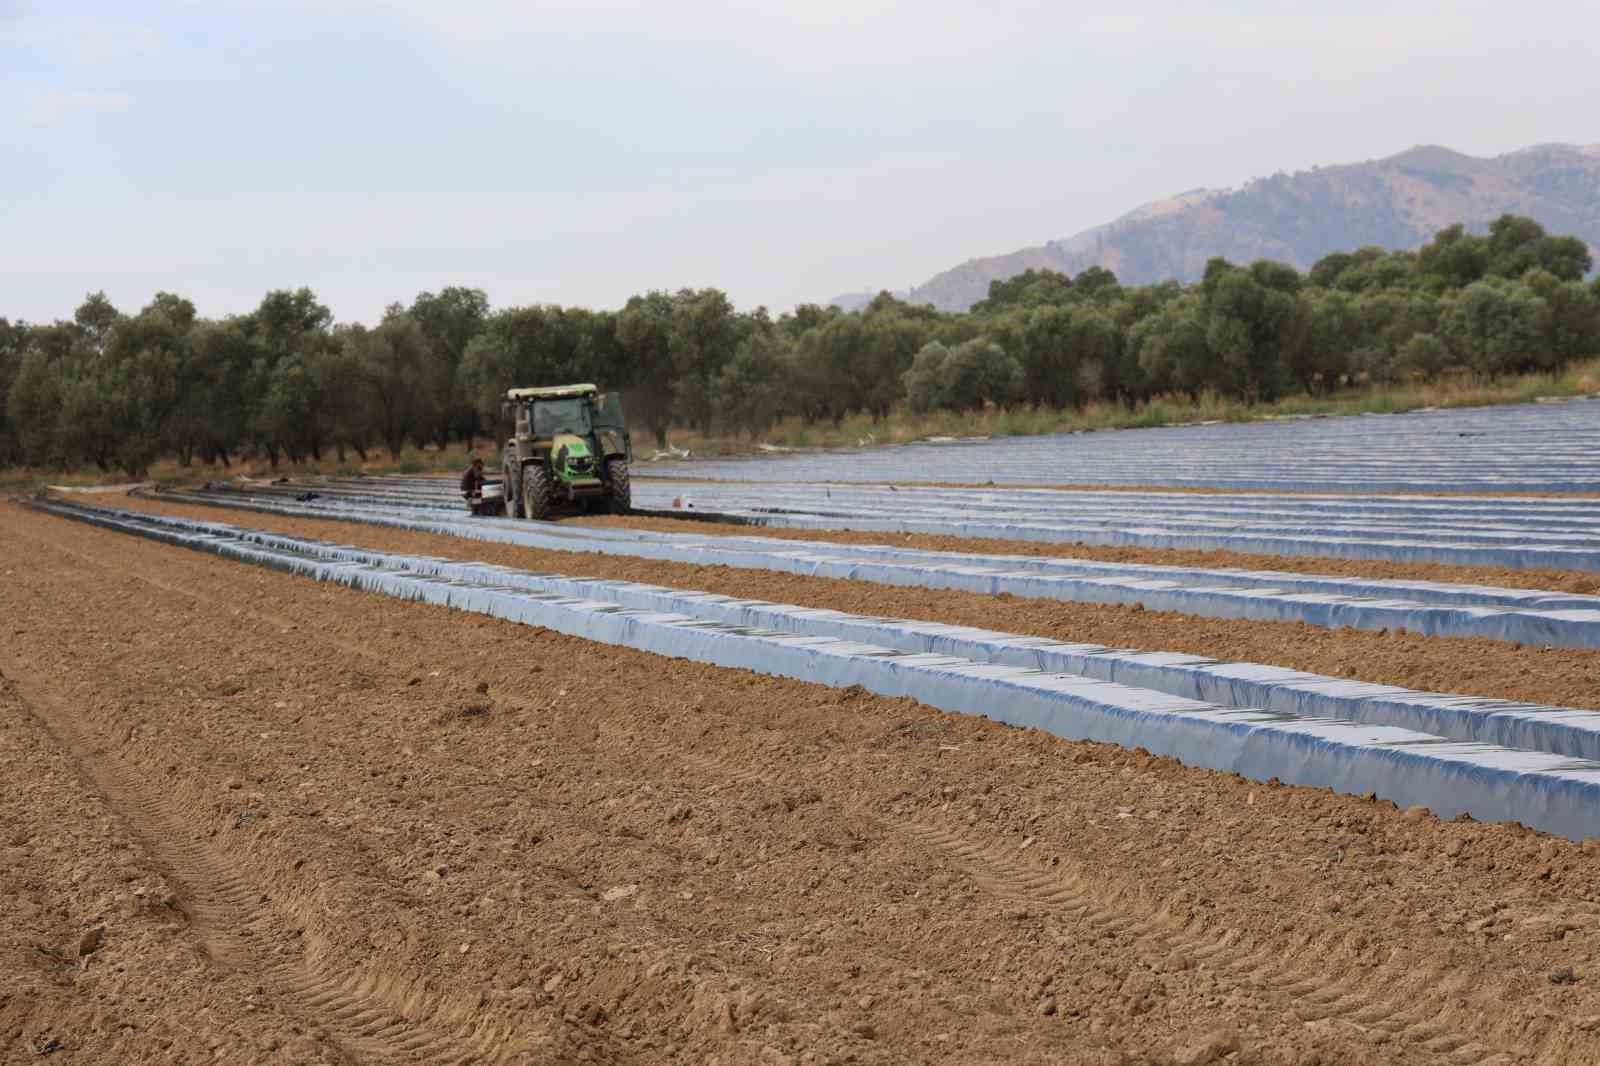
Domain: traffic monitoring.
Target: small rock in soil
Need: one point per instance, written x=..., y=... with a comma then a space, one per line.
x=91, y=941
x=1563, y=975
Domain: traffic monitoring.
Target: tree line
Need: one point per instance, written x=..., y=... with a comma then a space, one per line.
x=286, y=382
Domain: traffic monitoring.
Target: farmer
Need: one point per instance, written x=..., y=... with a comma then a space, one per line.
x=472, y=481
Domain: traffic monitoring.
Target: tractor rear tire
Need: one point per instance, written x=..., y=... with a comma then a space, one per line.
x=619, y=491
x=537, y=493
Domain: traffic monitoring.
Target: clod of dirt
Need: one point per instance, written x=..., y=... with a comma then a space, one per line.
x=611, y=895
x=90, y=942
x=1563, y=976
x=483, y=688
x=1209, y=1048
x=475, y=710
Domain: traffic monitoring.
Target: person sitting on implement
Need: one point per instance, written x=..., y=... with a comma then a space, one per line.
x=472, y=481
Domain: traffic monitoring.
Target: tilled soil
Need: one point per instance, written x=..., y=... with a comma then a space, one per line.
x=1475, y=667
x=95, y=931
x=369, y=831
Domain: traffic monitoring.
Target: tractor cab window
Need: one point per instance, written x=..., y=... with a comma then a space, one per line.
x=608, y=412
x=560, y=416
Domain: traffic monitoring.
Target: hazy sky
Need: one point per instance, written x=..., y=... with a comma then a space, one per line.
x=579, y=152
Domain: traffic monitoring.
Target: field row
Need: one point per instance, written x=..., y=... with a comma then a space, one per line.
x=1487, y=531
x=1530, y=616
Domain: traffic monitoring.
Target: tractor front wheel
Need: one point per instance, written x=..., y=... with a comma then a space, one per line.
x=536, y=492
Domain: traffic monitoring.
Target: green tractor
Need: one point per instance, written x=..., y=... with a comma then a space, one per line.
x=570, y=447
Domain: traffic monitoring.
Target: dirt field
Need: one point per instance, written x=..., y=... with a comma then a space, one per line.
x=311, y=825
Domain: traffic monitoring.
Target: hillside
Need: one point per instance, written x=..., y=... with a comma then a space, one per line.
x=1398, y=202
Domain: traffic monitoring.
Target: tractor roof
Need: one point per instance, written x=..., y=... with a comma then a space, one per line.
x=551, y=392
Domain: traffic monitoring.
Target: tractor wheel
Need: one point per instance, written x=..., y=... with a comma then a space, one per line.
x=619, y=493
x=536, y=492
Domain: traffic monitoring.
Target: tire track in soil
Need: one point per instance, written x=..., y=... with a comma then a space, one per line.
x=1369, y=1001
x=230, y=917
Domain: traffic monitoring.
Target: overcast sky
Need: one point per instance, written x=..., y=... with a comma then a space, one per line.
x=579, y=152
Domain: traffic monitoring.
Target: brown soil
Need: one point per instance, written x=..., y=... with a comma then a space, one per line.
x=1475, y=667
x=376, y=831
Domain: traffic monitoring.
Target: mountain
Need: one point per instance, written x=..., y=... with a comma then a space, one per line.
x=855, y=301
x=1398, y=202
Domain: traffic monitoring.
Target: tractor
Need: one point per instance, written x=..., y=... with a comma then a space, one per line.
x=570, y=447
